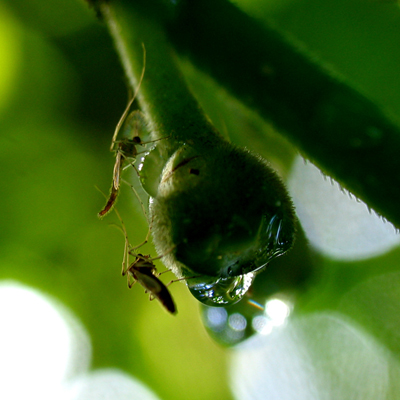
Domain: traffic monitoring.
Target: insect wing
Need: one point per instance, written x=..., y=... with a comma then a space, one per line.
x=110, y=202
x=165, y=298
x=152, y=284
x=117, y=170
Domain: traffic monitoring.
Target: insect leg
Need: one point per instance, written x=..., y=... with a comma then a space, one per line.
x=164, y=272
x=180, y=279
x=125, y=259
x=142, y=205
x=163, y=255
x=131, y=281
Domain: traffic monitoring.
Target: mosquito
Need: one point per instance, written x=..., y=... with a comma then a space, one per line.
x=125, y=149
x=143, y=270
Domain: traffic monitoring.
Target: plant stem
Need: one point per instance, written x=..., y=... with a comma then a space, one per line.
x=164, y=97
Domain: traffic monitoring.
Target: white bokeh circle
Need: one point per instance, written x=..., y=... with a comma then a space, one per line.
x=335, y=222
x=45, y=353
x=321, y=356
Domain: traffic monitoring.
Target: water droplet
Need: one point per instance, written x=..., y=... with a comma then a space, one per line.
x=275, y=238
x=217, y=291
x=242, y=320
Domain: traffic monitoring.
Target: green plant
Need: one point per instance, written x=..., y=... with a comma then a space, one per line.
x=310, y=103
x=239, y=231
x=65, y=94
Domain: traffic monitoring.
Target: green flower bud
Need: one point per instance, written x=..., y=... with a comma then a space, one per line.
x=220, y=216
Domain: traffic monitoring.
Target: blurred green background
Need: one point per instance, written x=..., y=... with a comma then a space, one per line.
x=62, y=91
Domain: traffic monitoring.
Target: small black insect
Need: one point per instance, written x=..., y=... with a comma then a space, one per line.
x=143, y=270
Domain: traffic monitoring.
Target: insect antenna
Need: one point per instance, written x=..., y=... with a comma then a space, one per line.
x=179, y=279
x=168, y=270
x=122, y=228
x=138, y=197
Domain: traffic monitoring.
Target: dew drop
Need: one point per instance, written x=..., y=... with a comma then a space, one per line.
x=217, y=291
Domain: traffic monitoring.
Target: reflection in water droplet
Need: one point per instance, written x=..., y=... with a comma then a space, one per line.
x=220, y=291
x=275, y=238
x=237, y=322
x=256, y=305
x=241, y=321
x=150, y=171
x=216, y=318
